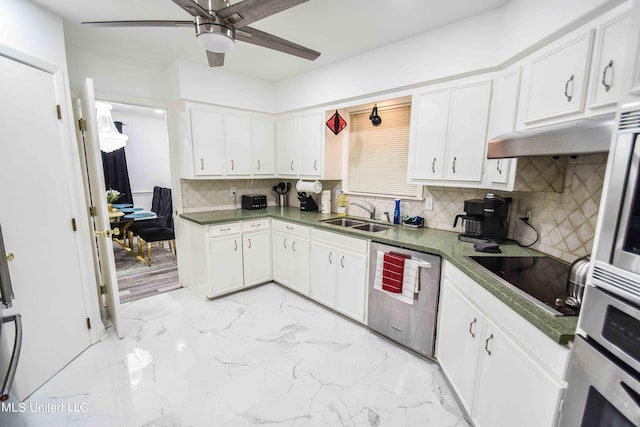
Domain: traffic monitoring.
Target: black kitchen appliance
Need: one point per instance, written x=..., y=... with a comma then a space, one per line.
x=254, y=201
x=306, y=202
x=486, y=220
x=542, y=280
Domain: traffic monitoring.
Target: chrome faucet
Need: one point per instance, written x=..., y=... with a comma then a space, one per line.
x=387, y=215
x=371, y=209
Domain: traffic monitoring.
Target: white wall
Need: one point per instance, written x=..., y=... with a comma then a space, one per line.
x=480, y=42
x=147, y=152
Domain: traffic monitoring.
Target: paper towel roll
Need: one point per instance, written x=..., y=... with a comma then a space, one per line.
x=309, y=186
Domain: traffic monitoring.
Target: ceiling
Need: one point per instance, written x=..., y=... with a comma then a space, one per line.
x=339, y=29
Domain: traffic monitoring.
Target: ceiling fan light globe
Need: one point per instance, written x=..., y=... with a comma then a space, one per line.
x=215, y=38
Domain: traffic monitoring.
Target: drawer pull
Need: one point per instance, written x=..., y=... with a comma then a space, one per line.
x=291, y=164
x=258, y=164
x=249, y=243
x=235, y=245
x=330, y=260
x=232, y=165
x=289, y=227
x=225, y=229
x=293, y=246
x=255, y=225
x=473, y=335
x=315, y=165
x=486, y=344
x=396, y=328
x=433, y=165
x=285, y=243
x=342, y=261
x=201, y=164
x=453, y=165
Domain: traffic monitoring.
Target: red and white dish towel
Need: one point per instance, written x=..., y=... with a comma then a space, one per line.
x=398, y=275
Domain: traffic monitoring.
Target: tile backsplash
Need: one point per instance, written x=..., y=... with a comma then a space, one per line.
x=565, y=220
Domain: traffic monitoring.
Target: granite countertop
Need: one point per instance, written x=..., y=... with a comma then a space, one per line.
x=439, y=242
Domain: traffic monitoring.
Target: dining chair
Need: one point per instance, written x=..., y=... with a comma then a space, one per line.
x=161, y=230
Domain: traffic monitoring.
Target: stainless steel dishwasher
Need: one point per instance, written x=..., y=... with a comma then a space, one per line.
x=411, y=325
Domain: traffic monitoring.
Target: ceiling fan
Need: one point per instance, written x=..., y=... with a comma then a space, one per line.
x=218, y=25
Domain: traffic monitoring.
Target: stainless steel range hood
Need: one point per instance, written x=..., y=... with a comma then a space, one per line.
x=577, y=137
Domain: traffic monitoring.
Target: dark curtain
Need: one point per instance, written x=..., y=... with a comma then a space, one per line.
x=116, y=174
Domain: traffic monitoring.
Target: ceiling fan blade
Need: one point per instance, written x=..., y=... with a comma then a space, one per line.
x=249, y=11
x=149, y=23
x=215, y=59
x=193, y=8
x=260, y=38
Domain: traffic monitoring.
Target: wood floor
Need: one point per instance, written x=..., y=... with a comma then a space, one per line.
x=136, y=280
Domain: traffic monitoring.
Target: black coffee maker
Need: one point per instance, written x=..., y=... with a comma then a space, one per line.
x=486, y=220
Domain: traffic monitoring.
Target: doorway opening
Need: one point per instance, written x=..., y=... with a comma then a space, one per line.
x=145, y=159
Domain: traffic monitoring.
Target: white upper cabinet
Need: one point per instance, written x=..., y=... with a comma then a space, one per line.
x=263, y=146
x=429, y=116
x=207, y=136
x=224, y=142
x=611, y=47
x=310, y=133
x=448, y=133
x=288, y=147
x=558, y=78
x=237, y=144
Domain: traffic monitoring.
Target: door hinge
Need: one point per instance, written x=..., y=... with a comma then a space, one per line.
x=92, y=211
x=82, y=125
x=59, y=112
x=88, y=323
x=73, y=224
x=102, y=290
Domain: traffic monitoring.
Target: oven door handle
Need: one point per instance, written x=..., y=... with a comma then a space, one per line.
x=15, y=355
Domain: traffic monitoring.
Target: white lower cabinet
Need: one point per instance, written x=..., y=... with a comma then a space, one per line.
x=499, y=380
x=256, y=252
x=291, y=255
x=225, y=263
x=339, y=267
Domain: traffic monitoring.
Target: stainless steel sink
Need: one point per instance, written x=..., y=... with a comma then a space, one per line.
x=343, y=222
x=373, y=228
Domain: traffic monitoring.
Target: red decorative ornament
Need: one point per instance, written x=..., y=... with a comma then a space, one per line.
x=336, y=123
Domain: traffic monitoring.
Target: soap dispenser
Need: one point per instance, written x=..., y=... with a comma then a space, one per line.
x=396, y=213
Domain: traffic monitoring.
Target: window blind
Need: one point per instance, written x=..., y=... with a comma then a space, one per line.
x=378, y=155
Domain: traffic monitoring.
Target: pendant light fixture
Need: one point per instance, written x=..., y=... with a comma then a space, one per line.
x=374, y=117
x=109, y=137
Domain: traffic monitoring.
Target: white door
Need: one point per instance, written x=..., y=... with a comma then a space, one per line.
x=257, y=257
x=281, y=259
x=288, y=147
x=36, y=218
x=97, y=190
x=207, y=137
x=299, y=268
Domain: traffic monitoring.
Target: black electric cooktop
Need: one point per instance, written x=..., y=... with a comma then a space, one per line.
x=542, y=280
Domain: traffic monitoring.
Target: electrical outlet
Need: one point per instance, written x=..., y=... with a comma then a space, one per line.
x=529, y=214
x=428, y=203
x=233, y=191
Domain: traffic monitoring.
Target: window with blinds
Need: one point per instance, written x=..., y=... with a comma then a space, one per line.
x=378, y=155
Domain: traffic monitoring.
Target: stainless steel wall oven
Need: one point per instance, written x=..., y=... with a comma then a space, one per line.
x=604, y=368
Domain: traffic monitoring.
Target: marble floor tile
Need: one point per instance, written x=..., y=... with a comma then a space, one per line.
x=265, y=356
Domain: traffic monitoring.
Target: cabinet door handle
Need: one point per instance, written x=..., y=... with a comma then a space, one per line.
x=486, y=344
x=201, y=164
x=498, y=167
x=235, y=245
x=293, y=246
x=330, y=260
x=453, y=165
x=285, y=243
x=258, y=164
x=433, y=166
x=315, y=165
x=566, y=89
x=249, y=243
x=604, y=76
x=396, y=328
x=291, y=164
x=232, y=165
x=473, y=335
x=342, y=261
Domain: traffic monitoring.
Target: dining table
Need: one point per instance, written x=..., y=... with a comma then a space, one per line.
x=129, y=213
